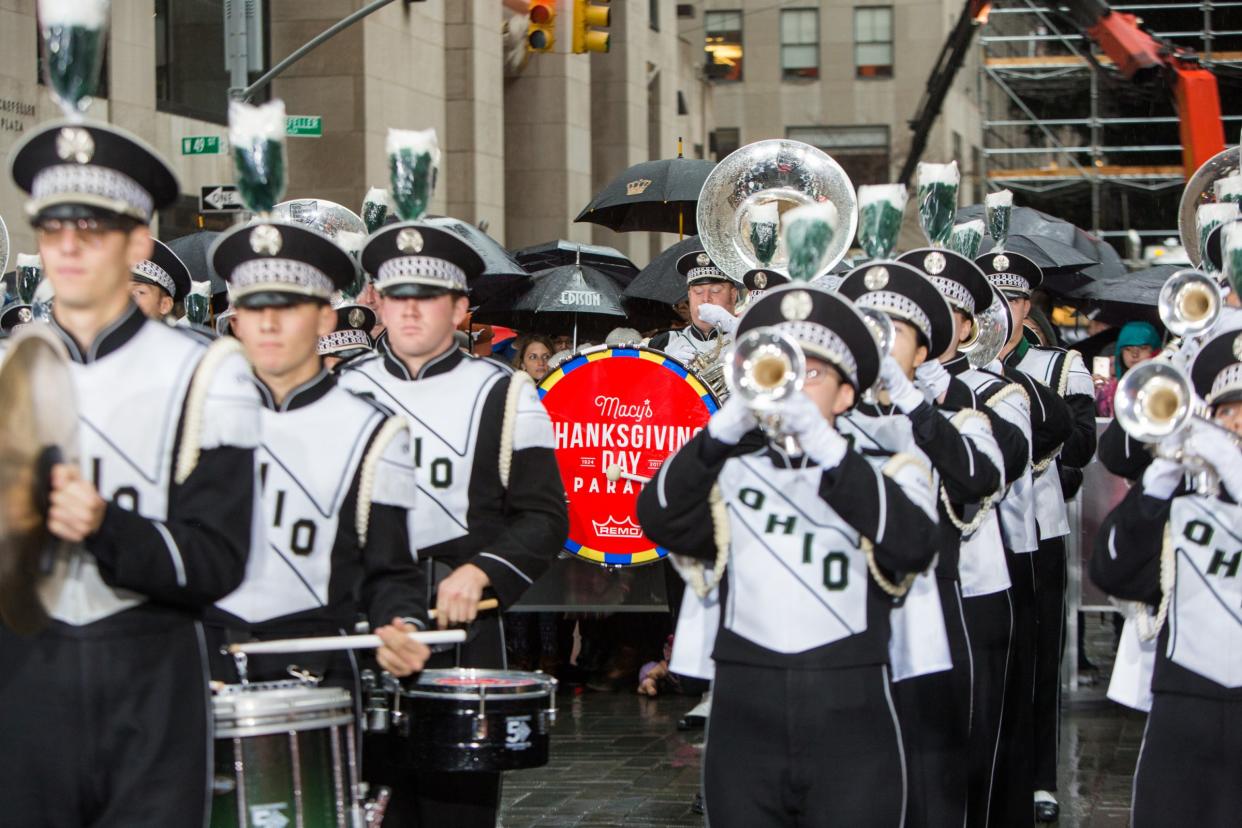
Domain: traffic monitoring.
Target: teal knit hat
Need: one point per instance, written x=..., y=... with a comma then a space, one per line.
x=1135, y=333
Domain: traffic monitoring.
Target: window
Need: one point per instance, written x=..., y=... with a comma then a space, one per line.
x=873, y=42
x=799, y=43
x=191, y=77
x=723, y=141
x=862, y=151
x=653, y=14
x=723, y=42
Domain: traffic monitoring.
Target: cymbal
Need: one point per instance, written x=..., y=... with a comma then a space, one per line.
x=38, y=428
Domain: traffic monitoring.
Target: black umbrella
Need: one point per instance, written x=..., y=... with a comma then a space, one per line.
x=574, y=298
x=561, y=252
x=659, y=196
x=192, y=250
x=659, y=281
x=500, y=268
x=1051, y=255
x=1140, y=288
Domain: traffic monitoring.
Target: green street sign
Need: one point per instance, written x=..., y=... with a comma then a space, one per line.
x=304, y=126
x=200, y=145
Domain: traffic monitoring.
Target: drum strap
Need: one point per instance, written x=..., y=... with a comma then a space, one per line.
x=196, y=404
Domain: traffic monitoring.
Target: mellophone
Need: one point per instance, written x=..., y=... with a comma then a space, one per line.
x=287, y=752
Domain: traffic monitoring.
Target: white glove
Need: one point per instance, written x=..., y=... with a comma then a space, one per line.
x=900, y=390
x=732, y=421
x=821, y=442
x=934, y=379
x=719, y=317
x=1216, y=447
x=1162, y=478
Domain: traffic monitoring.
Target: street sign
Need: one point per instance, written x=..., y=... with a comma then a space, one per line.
x=200, y=145
x=304, y=126
x=219, y=198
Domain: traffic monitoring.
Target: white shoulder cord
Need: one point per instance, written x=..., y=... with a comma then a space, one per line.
x=366, y=478
x=895, y=464
x=1149, y=627
x=693, y=571
x=984, y=505
x=1062, y=385
x=517, y=381
x=196, y=404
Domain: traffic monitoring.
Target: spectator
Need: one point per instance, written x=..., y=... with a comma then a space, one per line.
x=1137, y=342
x=531, y=354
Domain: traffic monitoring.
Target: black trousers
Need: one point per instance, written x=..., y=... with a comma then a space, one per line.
x=1013, y=787
x=1049, y=647
x=803, y=748
x=434, y=799
x=1187, y=771
x=989, y=623
x=103, y=730
x=935, y=712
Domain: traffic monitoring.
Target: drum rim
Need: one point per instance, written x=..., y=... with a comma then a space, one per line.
x=541, y=685
x=276, y=725
x=235, y=703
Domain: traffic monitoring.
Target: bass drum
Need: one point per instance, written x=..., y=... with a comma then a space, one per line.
x=628, y=408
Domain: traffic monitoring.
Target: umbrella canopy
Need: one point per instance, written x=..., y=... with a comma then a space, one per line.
x=659, y=196
x=192, y=250
x=559, y=300
x=659, y=281
x=1051, y=255
x=561, y=252
x=1140, y=288
x=500, y=269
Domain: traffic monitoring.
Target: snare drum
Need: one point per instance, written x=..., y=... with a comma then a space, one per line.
x=285, y=755
x=476, y=720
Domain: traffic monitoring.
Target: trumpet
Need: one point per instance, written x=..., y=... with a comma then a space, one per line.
x=881, y=327
x=1190, y=303
x=765, y=368
x=1156, y=400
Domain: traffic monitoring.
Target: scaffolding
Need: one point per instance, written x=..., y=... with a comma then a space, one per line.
x=1070, y=136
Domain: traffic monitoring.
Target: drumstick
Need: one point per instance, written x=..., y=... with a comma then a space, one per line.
x=615, y=473
x=485, y=604
x=329, y=643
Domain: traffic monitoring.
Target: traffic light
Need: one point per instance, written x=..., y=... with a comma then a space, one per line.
x=541, y=30
x=588, y=19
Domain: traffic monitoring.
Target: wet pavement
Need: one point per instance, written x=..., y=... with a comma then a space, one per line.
x=618, y=759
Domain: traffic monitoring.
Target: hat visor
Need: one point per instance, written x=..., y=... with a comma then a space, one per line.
x=1014, y=293
x=1233, y=395
x=275, y=299
x=70, y=206
x=136, y=277
x=707, y=280
x=417, y=290
x=344, y=352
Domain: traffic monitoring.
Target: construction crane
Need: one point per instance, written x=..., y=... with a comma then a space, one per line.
x=1138, y=56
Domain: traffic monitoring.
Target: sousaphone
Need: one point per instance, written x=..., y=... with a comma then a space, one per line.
x=1200, y=189
x=745, y=195
x=38, y=428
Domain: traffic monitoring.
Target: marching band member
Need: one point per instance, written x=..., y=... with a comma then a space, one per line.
x=351, y=338
x=1061, y=371
x=935, y=707
x=986, y=603
x=106, y=712
x=159, y=282
x=1175, y=548
x=491, y=510
x=706, y=285
x=335, y=473
x=803, y=721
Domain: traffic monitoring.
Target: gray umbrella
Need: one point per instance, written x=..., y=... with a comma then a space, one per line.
x=500, y=268
x=1141, y=287
x=561, y=252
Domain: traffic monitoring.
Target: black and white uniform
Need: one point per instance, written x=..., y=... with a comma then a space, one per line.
x=107, y=718
x=987, y=601
x=935, y=707
x=1187, y=765
x=687, y=343
x=1063, y=372
x=309, y=574
x=456, y=409
x=803, y=722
